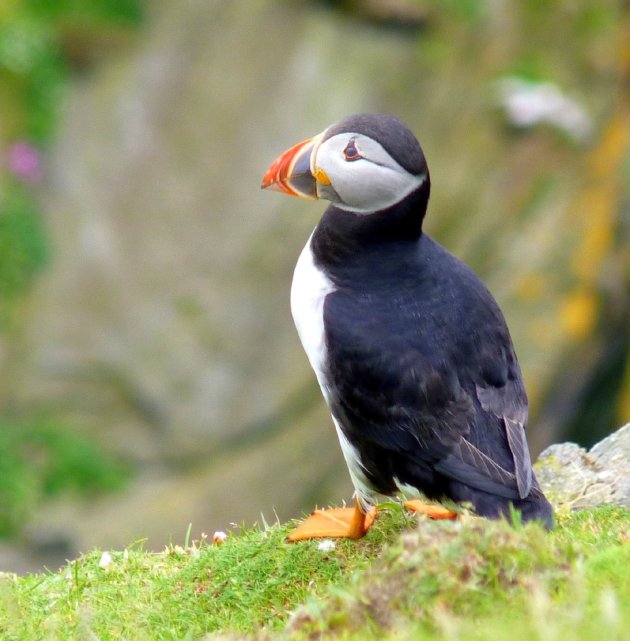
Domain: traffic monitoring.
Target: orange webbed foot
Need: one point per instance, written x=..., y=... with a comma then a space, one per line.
x=340, y=522
x=432, y=511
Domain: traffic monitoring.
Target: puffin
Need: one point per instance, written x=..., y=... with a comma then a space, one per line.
x=411, y=351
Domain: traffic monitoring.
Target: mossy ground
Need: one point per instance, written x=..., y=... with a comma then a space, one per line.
x=470, y=579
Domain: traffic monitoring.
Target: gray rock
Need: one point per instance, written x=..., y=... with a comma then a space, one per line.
x=574, y=477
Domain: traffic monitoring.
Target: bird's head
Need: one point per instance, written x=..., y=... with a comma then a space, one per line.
x=363, y=164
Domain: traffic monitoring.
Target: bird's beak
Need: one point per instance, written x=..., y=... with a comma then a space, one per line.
x=293, y=171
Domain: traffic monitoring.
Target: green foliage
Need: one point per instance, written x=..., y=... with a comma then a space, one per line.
x=42, y=459
x=33, y=71
x=31, y=65
x=39, y=459
x=471, y=579
x=98, y=11
x=23, y=246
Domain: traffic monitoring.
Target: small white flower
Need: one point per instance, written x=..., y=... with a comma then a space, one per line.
x=326, y=545
x=105, y=561
x=219, y=537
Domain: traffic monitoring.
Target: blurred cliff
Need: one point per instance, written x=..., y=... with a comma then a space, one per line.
x=155, y=319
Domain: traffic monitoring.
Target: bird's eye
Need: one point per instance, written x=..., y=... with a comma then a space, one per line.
x=351, y=152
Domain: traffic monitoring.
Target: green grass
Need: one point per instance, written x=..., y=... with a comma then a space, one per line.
x=471, y=579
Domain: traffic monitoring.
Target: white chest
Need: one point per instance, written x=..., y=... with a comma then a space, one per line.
x=309, y=289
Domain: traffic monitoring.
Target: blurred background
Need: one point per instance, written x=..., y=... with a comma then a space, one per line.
x=151, y=376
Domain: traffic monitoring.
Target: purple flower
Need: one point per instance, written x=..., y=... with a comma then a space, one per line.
x=24, y=161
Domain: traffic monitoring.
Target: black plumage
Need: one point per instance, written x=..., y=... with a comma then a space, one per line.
x=411, y=351
x=420, y=369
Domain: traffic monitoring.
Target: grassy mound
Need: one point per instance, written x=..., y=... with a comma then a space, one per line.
x=470, y=579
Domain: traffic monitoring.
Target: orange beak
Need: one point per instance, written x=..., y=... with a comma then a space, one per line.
x=291, y=172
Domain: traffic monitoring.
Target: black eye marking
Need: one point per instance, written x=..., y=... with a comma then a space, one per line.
x=351, y=152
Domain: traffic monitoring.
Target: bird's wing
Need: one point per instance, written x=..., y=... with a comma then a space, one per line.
x=501, y=392
x=468, y=464
x=412, y=399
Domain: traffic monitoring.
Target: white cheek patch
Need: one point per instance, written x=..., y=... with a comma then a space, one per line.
x=374, y=182
x=372, y=187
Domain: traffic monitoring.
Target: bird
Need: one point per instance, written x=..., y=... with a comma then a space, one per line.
x=411, y=351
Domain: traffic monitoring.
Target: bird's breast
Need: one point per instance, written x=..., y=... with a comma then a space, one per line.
x=309, y=289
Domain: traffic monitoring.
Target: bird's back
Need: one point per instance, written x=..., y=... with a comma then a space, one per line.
x=414, y=340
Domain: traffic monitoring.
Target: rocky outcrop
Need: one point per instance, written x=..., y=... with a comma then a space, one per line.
x=578, y=478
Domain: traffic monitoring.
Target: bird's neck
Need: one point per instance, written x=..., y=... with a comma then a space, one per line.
x=344, y=237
